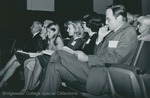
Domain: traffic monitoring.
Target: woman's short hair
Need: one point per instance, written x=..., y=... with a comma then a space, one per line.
x=56, y=28
x=94, y=21
x=77, y=26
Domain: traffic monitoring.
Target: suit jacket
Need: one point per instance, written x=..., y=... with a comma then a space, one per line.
x=118, y=47
x=35, y=44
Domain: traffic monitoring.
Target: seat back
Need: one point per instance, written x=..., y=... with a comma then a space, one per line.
x=136, y=55
x=124, y=83
x=7, y=44
x=143, y=59
x=144, y=64
x=146, y=84
x=6, y=50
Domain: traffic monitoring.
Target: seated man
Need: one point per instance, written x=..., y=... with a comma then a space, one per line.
x=117, y=46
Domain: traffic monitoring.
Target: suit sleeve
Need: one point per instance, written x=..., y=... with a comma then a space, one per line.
x=39, y=45
x=126, y=46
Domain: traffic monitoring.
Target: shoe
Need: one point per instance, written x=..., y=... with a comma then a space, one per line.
x=32, y=88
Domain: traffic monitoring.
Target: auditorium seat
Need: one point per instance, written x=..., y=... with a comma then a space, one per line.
x=7, y=47
x=132, y=81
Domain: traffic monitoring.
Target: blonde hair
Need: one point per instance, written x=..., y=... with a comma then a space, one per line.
x=77, y=26
x=48, y=21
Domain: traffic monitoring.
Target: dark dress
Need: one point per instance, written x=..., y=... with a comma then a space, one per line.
x=88, y=46
x=36, y=44
x=76, y=44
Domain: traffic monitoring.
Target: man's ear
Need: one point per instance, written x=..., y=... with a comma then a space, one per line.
x=119, y=18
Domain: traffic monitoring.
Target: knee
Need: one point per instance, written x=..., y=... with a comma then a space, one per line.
x=60, y=52
x=54, y=67
x=16, y=64
x=14, y=57
x=26, y=63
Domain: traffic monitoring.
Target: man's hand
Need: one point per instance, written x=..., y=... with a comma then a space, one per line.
x=103, y=31
x=81, y=56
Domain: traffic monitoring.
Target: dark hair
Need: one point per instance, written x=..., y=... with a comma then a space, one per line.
x=49, y=25
x=94, y=21
x=118, y=10
x=57, y=28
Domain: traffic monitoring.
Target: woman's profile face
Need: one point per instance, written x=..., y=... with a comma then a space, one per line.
x=51, y=31
x=70, y=30
x=142, y=27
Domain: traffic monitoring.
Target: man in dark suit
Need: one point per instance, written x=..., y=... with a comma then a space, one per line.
x=111, y=47
x=35, y=43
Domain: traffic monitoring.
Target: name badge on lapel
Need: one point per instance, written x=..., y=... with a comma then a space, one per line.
x=113, y=44
x=73, y=43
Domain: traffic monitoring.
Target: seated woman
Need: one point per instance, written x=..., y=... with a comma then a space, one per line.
x=54, y=43
x=91, y=24
x=36, y=44
x=144, y=28
x=75, y=30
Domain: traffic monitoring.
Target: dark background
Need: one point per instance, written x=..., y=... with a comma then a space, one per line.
x=15, y=19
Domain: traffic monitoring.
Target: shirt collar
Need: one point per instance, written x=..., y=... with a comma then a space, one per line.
x=118, y=27
x=35, y=34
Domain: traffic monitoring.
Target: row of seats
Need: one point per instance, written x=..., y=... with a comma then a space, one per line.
x=125, y=81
